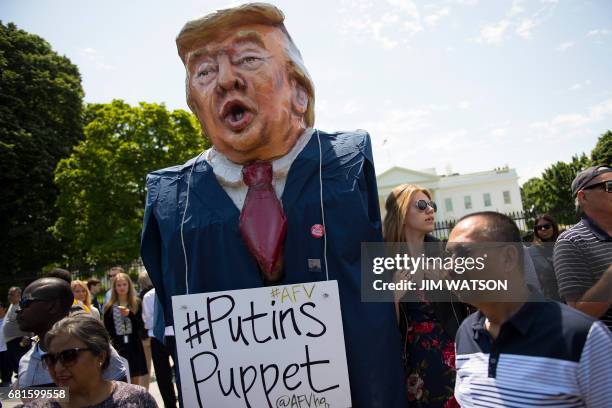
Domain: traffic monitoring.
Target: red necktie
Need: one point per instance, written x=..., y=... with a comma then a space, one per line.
x=263, y=224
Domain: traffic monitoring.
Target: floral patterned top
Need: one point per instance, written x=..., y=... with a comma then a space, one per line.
x=428, y=354
x=123, y=395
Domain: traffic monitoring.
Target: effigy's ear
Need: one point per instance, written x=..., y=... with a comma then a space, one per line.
x=299, y=98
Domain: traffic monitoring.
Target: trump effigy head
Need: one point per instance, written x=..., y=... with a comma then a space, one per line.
x=246, y=82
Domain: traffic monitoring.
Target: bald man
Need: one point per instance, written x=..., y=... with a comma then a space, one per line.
x=45, y=302
x=523, y=350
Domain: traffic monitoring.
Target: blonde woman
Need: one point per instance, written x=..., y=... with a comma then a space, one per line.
x=427, y=329
x=82, y=294
x=123, y=320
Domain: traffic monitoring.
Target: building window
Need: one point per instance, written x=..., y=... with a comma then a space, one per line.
x=448, y=204
x=467, y=200
x=506, y=197
x=487, y=199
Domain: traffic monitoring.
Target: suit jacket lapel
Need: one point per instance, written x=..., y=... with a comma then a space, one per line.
x=305, y=166
x=207, y=192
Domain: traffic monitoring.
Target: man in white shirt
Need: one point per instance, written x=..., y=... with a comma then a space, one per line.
x=161, y=352
x=5, y=368
x=13, y=335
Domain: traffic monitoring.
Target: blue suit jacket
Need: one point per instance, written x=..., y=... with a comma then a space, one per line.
x=219, y=260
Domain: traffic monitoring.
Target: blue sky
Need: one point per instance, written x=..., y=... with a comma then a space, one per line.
x=459, y=85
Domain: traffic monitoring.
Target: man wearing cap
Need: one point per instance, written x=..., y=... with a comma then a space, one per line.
x=583, y=254
x=274, y=201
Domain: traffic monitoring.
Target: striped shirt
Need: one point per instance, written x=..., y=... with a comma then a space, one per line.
x=582, y=254
x=546, y=354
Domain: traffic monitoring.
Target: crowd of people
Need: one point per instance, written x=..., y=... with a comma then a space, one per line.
x=551, y=343
x=56, y=333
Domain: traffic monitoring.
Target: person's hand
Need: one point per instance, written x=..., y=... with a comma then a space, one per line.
x=404, y=275
x=124, y=311
x=399, y=276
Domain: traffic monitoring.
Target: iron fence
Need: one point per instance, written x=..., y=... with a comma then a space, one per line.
x=524, y=221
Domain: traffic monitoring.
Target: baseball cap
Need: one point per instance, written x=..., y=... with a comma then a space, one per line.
x=583, y=178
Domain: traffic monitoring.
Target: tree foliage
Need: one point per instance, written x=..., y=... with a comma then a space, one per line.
x=552, y=192
x=40, y=122
x=102, y=184
x=602, y=152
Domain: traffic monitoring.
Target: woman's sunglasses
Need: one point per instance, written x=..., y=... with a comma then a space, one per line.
x=543, y=227
x=67, y=357
x=422, y=205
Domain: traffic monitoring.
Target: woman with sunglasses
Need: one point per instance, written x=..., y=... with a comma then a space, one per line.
x=78, y=350
x=123, y=320
x=545, y=234
x=427, y=329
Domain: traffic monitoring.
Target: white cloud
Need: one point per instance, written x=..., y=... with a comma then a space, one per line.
x=350, y=107
x=580, y=85
x=494, y=33
x=407, y=6
x=565, y=46
x=95, y=57
x=601, y=111
x=538, y=18
x=448, y=140
x=517, y=8
x=499, y=132
x=412, y=27
x=360, y=20
x=465, y=105
x=575, y=87
x=557, y=124
x=598, y=32
x=433, y=19
x=525, y=27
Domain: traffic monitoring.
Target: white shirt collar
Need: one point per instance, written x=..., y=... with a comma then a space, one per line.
x=229, y=174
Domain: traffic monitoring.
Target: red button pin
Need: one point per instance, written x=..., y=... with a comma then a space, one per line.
x=317, y=231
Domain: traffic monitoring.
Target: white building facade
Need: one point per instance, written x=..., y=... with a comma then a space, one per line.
x=458, y=194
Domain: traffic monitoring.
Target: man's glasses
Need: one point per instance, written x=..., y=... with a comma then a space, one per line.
x=607, y=186
x=27, y=301
x=422, y=205
x=543, y=227
x=67, y=357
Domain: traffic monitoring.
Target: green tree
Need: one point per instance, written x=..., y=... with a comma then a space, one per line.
x=532, y=195
x=602, y=152
x=552, y=192
x=102, y=184
x=40, y=122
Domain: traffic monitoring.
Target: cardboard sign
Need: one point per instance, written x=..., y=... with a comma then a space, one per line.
x=276, y=346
